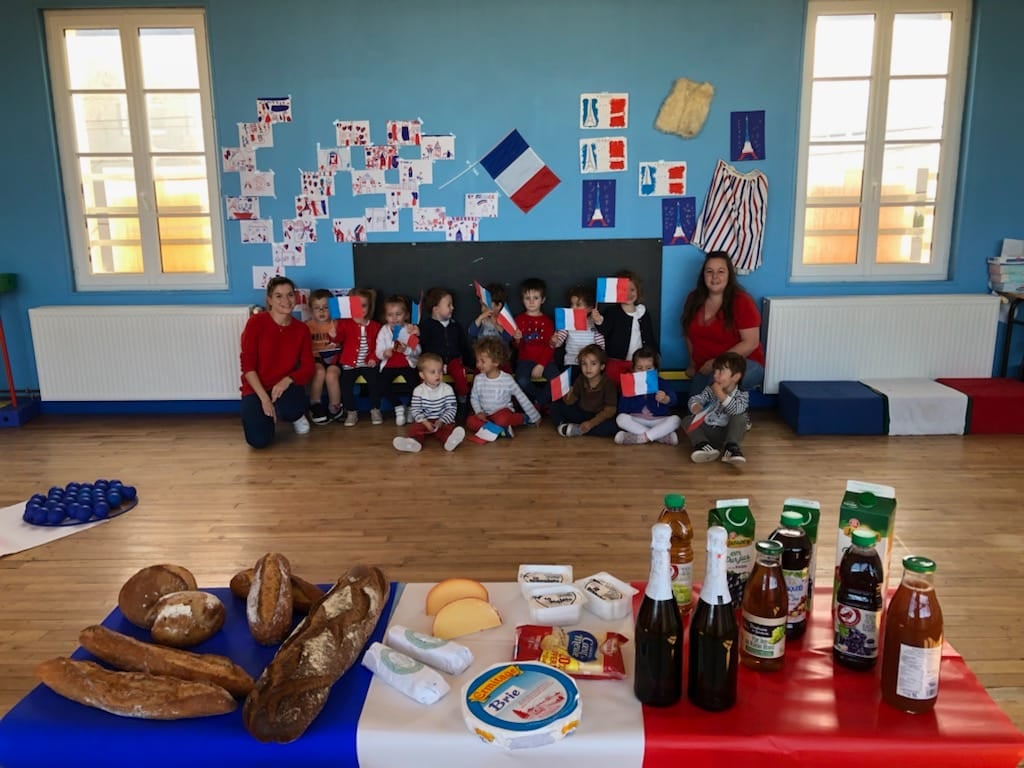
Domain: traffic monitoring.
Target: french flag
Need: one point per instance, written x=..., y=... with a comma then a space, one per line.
x=561, y=385
x=612, y=290
x=519, y=172
x=415, y=311
x=639, y=383
x=570, y=319
x=506, y=321
x=483, y=294
x=490, y=432
x=699, y=416
x=348, y=307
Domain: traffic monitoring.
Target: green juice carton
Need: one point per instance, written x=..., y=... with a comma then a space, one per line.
x=872, y=506
x=735, y=516
x=810, y=514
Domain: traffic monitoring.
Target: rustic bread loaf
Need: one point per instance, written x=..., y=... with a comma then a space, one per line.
x=133, y=694
x=131, y=655
x=184, y=619
x=304, y=593
x=294, y=687
x=140, y=593
x=268, y=606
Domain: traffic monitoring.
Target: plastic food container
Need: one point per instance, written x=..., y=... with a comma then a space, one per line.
x=556, y=604
x=607, y=596
x=531, y=576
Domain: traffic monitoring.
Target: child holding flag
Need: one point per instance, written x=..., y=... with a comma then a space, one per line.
x=398, y=350
x=573, y=336
x=645, y=417
x=359, y=353
x=533, y=340
x=588, y=408
x=726, y=423
x=486, y=324
x=326, y=357
x=626, y=326
x=493, y=392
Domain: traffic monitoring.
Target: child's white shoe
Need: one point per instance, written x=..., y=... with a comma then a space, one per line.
x=455, y=439
x=301, y=426
x=399, y=415
x=376, y=417
x=351, y=419
x=408, y=445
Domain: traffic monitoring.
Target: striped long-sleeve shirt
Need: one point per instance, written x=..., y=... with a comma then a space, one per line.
x=433, y=403
x=491, y=395
x=575, y=341
x=735, y=404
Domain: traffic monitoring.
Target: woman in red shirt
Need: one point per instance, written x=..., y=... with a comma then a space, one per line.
x=277, y=363
x=719, y=316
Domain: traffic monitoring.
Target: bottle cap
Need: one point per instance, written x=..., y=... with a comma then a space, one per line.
x=675, y=501
x=769, y=547
x=661, y=536
x=919, y=564
x=791, y=519
x=864, y=537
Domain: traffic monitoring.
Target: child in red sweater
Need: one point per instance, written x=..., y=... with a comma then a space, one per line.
x=533, y=340
x=359, y=358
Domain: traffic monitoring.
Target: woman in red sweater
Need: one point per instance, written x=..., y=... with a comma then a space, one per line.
x=277, y=363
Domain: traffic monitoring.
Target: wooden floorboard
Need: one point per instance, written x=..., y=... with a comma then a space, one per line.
x=343, y=495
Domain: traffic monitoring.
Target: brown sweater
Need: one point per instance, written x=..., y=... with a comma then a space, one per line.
x=601, y=401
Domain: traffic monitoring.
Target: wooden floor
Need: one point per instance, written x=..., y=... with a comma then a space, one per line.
x=341, y=496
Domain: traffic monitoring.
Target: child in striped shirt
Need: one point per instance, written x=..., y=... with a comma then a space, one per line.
x=359, y=358
x=494, y=390
x=432, y=411
x=580, y=297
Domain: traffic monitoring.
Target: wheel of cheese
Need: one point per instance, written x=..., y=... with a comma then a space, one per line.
x=449, y=590
x=464, y=617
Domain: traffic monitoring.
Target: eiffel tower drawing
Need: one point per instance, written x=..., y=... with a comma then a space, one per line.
x=679, y=236
x=747, y=153
x=597, y=218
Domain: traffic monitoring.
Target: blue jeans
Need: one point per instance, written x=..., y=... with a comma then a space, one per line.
x=752, y=379
x=573, y=414
x=258, y=427
x=539, y=393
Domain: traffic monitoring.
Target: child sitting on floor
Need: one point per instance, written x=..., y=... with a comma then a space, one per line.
x=725, y=422
x=432, y=412
x=494, y=390
x=647, y=418
x=588, y=408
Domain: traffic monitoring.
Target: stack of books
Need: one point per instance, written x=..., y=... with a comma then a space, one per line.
x=1006, y=271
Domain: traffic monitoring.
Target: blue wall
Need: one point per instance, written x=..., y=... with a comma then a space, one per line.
x=478, y=69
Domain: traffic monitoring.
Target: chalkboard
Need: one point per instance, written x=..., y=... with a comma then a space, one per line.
x=411, y=268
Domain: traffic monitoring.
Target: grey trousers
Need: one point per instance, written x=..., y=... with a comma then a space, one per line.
x=719, y=436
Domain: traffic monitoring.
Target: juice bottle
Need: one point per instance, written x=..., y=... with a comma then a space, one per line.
x=796, y=560
x=765, y=604
x=858, y=603
x=714, y=636
x=681, y=552
x=912, y=646
x=658, y=666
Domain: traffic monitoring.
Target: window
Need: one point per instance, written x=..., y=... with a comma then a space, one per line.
x=131, y=95
x=880, y=122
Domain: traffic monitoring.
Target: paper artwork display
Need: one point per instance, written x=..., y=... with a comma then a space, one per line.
x=262, y=275
x=746, y=132
x=352, y=133
x=678, y=220
x=368, y=182
x=604, y=110
x=403, y=198
x=236, y=159
x=433, y=147
x=598, y=203
x=299, y=230
x=415, y=171
x=604, y=154
x=382, y=157
x=301, y=311
x=257, y=231
x=430, y=219
x=519, y=172
x=243, y=207
x=661, y=178
x=333, y=159
x=259, y=183
x=404, y=132
x=274, y=109
x=289, y=254
x=309, y=207
x=255, y=135
x=482, y=205
x=461, y=228
x=382, y=219
x=316, y=183
x=349, y=230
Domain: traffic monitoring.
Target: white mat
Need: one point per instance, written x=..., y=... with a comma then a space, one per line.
x=16, y=535
x=922, y=406
x=611, y=732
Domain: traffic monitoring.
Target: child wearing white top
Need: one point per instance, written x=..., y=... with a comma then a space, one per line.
x=494, y=390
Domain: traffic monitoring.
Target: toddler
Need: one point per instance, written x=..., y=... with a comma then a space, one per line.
x=626, y=328
x=359, y=358
x=432, y=412
x=588, y=408
x=440, y=334
x=647, y=418
x=533, y=340
x=580, y=297
x=494, y=390
x=326, y=357
x=398, y=350
x=726, y=422
x=486, y=323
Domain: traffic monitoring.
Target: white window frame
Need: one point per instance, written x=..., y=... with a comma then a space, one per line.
x=867, y=269
x=128, y=21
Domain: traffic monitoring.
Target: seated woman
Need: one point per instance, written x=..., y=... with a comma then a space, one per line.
x=719, y=316
x=277, y=363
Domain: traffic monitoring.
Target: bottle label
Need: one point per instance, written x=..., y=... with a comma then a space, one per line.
x=682, y=583
x=918, y=673
x=856, y=631
x=796, y=590
x=739, y=562
x=763, y=637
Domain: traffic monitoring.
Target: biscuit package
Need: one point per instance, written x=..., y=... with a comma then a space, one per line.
x=576, y=652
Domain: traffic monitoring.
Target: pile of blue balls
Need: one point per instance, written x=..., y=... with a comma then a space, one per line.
x=79, y=503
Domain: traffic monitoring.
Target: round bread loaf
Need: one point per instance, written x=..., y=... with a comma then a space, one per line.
x=184, y=619
x=141, y=592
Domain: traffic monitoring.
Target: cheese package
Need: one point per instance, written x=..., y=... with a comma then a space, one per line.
x=557, y=604
x=464, y=617
x=574, y=651
x=417, y=681
x=607, y=596
x=444, y=655
x=514, y=706
x=533, y=576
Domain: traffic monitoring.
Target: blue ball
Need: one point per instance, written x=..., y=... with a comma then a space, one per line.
x=113, y=499
x=82, y=513
x=128, y=492
x=38, y=498
x=85, y=487
x=72, y=486
x=55, y=492
x=38, y=517
x=55, y=516
x=115, y=483
x=101, y=509
x=101, y=481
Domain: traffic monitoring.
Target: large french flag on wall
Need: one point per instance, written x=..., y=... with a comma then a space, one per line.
x=519, y=172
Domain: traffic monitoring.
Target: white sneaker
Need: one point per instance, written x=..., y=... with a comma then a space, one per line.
x=455, y=439
x=408, y=445
x=399, y=415
x=351, y=419
x=670, y=439
x=704, y=453
x=376, y=417
x=301, y=426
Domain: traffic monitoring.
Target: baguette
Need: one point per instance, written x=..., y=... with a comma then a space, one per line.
x=268, y=606
x=294, y=687
x=133, y=694
x=131, y=655
x=304, y=593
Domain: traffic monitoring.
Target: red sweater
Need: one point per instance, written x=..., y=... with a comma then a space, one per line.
x=348, y=332
x=535, y=345
x=275, y=351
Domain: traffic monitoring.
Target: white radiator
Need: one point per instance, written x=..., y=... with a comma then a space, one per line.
x=138, y=352
x=855, y=337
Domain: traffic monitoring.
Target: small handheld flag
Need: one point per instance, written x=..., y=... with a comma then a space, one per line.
x=698, y=418
x=348, y=307
x=639, y=383
x=612, y=290
x=483, y=294
x=490, y=432
x=560, y=385
x=570, y=319
x=414, y=310
x=506, y=321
